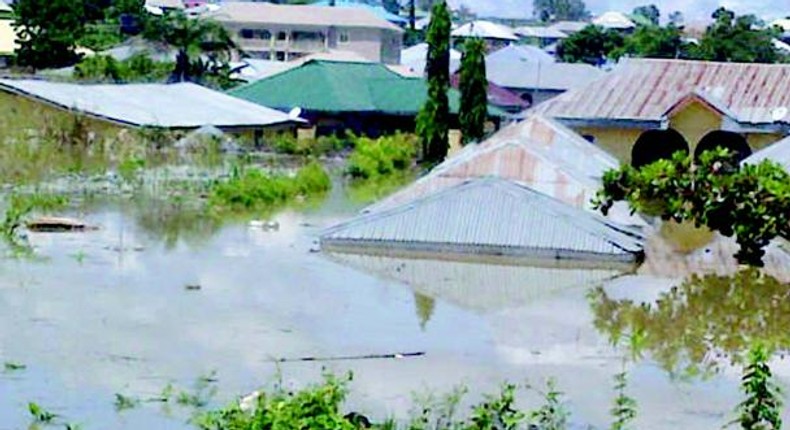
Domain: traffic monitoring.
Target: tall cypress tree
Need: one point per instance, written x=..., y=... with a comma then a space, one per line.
x=434, y=117
x=474, y=88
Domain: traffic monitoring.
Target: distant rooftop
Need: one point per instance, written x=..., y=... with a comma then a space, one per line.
x=550, y=76
x=646, y=89
x=614, y=20
x=514, y=54
x=304, y=15
x=378, y=10
x=541, y=32
x=177, y=106
x=486, y=30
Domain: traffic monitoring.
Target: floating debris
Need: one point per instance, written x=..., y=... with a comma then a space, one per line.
x=58, y=224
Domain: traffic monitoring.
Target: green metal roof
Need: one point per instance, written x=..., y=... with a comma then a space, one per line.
x=328, y=86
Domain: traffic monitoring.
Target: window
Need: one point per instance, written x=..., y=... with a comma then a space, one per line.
x=280, y=56
x=263, y=34
x=282, y=35
x=344, y=37
x=246, y=33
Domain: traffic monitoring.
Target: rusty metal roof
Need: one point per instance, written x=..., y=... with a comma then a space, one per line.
x=487, y=216
x=538, y=152
x=645, y=89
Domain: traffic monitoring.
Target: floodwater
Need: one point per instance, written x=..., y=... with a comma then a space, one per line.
x=144, y=302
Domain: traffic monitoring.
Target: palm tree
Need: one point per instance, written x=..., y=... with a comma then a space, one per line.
x=203, y=45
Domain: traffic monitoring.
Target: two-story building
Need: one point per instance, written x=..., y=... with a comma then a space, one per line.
x=287, y=32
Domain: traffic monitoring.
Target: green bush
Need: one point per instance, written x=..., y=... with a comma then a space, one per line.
x=382, y=156
x=314, y=408
x=137, y=68
x=253, y=189
x=287, y=143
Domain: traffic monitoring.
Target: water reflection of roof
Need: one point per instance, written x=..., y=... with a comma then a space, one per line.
x=538, y=152
x=487, y=216
x=477, y=286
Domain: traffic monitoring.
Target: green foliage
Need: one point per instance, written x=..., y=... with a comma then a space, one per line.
x=497, y=412
x=736, y=39
x=18, y=209
x=383, y=156
x=193, y=39
x=653, y=42
x=101, y=36
x=48, y=32
x=316, y=408
x=39, y=414
x=287, y=143
x=433, y=120
x=762, y=409
x=687, y=336
x=553, y=415
x=251, y=189
x=592, y=45
x=651, y=13
x=137, y=68
x=474, y=91
x=751, y=202
x=123, y=403
x=10, y=366
x=624, y=409
x=560, y=10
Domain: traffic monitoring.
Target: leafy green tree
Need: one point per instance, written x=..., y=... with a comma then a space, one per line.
x=751, y=202
x=650, y=12
x=48, y=32
x=592, y=45
x=560, y=10
x=762, y=409
x=434, y=117
x=653, y=42
x=736, y=39
x=474, y=90
x=676, y=18
x=204, y=46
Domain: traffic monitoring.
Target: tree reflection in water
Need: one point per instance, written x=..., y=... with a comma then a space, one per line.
x=705, y=323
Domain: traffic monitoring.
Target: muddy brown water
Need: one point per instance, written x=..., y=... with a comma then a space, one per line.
x=109, y=311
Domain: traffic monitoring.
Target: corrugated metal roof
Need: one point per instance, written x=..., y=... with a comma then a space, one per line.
x=328, y=86
x=497, y=95
x=183, y=105
x=415, y=57
x=513, y=54
x=614, y=20
x=377, y=10
x=300, y=15
x=569, y=27
x=778, y=152
x=485, y=30
x=488, y=216
x=538, y=152
x=476, y=286
x=644, y=89
x=541, y=32
x=541, y=75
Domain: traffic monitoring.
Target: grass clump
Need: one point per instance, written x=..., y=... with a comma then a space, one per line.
x=383, y=156
x=289, y=144
x=254, y=189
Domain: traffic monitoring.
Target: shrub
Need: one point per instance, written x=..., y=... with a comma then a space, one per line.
x=382, y=156
x=287, y=143
x=253, y=189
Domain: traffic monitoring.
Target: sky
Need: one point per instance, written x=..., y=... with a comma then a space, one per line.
x=692, y=9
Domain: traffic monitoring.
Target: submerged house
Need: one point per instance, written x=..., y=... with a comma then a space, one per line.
x=366, y=98
x=537, y=152
x=648, y=108
x=173, y=107
x=490, y=218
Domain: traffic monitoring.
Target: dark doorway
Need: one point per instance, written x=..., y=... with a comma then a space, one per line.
x=654, y=145
x=724, y=139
